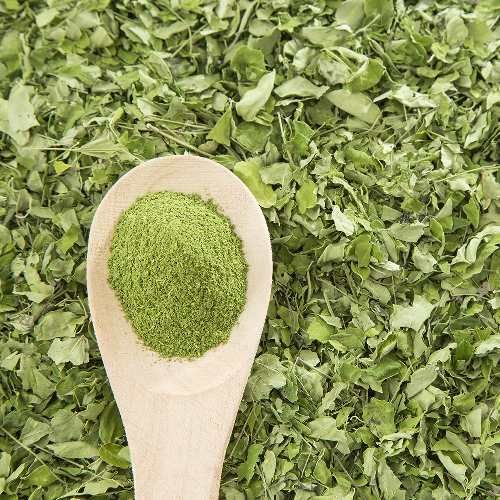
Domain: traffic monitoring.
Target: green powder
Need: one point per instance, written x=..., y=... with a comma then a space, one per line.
x=179, y=272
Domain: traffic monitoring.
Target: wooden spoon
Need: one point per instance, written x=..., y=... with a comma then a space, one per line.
x=178, y=414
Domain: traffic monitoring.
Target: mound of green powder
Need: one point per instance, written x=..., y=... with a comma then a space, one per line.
x=179, y=272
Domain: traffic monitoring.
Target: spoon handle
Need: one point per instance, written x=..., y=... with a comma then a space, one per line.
x=178, y=442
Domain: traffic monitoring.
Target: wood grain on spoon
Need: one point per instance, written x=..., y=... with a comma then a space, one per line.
x=178, y=415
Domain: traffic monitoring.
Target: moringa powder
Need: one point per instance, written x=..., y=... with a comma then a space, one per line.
x=179, y=272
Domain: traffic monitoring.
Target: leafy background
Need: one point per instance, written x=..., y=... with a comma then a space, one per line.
x=368, y=131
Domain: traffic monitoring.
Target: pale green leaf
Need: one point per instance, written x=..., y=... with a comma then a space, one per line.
x=356, y=104
x=413, y=316
x=249, y=173
x=300, y=87
x=255, y=99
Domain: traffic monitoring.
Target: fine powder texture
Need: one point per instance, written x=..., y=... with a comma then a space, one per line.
x=179, y=272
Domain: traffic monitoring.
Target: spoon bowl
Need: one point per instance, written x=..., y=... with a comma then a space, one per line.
x=178, y=414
